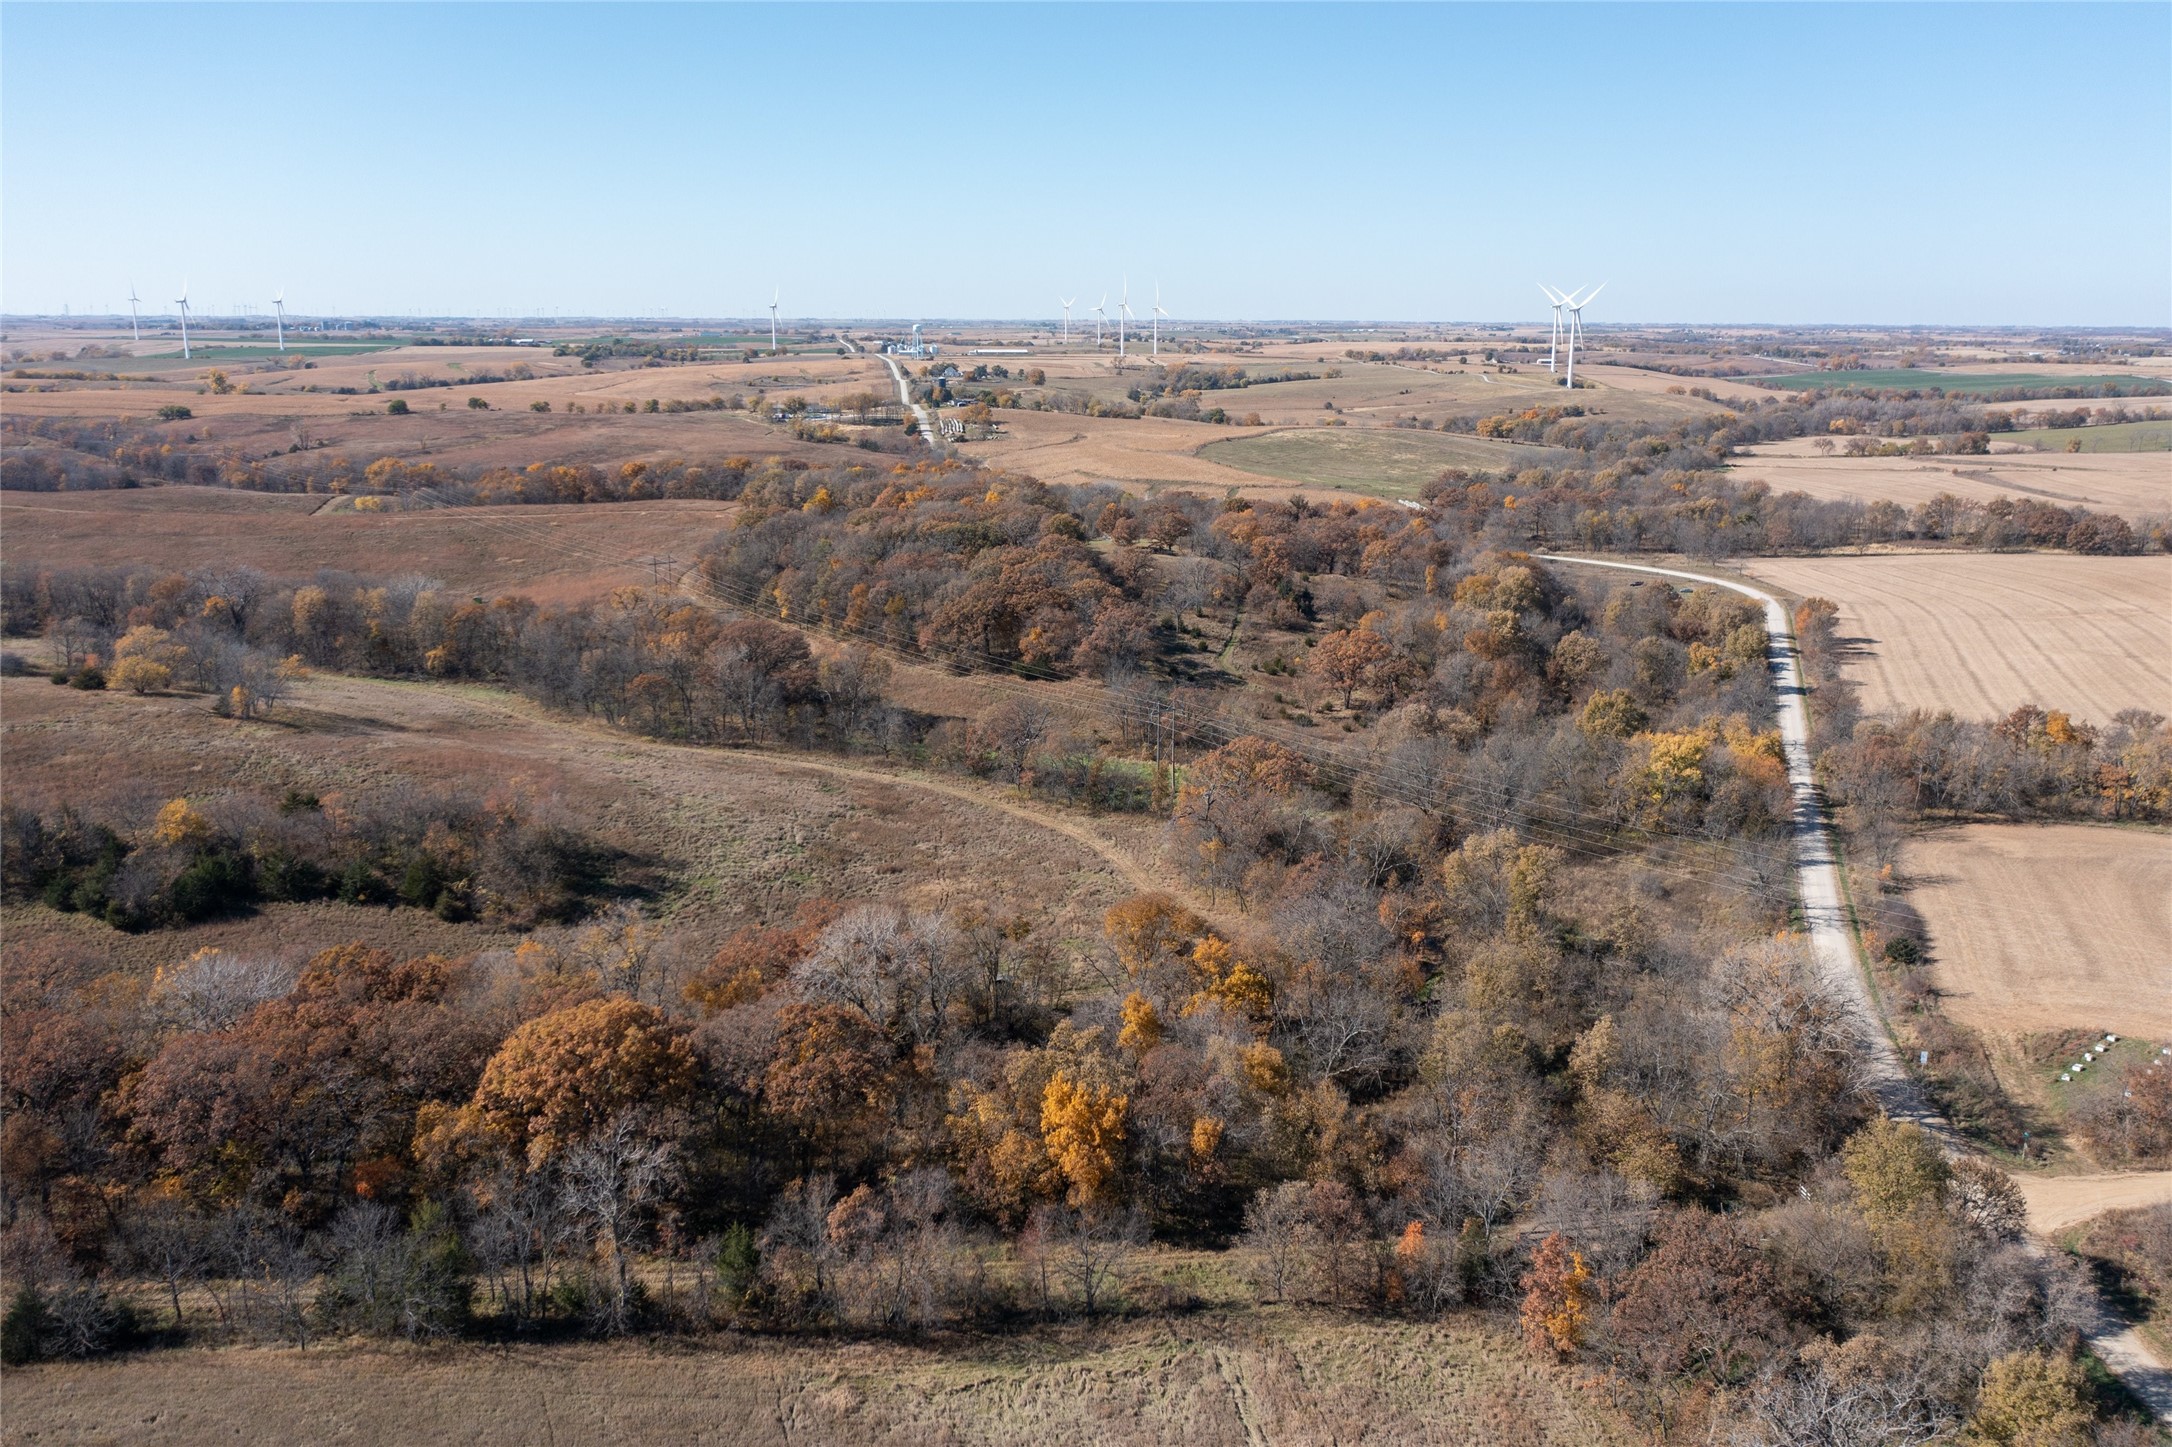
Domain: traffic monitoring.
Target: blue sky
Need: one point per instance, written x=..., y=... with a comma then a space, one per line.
x=1947, y=163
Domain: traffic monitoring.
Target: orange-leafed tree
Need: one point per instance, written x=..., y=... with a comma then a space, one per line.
x=564, y=1075
x=1350, y=659
x=1082, y=1127
x=1558, y=1294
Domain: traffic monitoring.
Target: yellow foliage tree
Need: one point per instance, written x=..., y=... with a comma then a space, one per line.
x=180, y=823
x=1082, y=1127
x=1894, y=1167
x=2031, y=1399
x=1142, y=1026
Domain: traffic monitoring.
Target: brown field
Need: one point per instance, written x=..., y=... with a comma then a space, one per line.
x=1980, y=633
x=1058, y=447
x=2132, y=484
x=556, y=553
x=2057, y=1203
x=1287, y=1377
x=2038, y=928
x=738, y=835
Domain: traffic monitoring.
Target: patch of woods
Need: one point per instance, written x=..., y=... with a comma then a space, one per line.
x=1496, y=1014
x=1635, y=486
x=1554, y=1105
x=1431, y=1062
x=505, y=859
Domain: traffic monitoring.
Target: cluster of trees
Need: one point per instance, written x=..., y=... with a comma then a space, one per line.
x=1529, y=1102
x=984, y=569
x=2033, y=763
x=503, y=858
x=1452, y=1041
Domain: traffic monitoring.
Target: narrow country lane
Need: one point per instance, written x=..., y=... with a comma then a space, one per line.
x=1899, y=1094
x=1816, y=862
x=905, y=395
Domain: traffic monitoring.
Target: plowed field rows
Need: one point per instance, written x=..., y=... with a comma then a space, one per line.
x=1980, y=633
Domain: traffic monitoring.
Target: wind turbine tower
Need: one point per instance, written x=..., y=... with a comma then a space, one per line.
x=279, y=317
x=1123, y=312
x=1101, y=317
x=135, y=323
x=1553, y=346
x=1067, y=319
x=182, y=301
x=775, y=295
x=1158, y=315
x=1576, y=326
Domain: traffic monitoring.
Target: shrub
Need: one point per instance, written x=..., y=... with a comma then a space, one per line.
x=174, y=412
x=397, y=407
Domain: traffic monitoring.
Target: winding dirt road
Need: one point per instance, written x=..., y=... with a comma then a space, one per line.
x=2053, y=1202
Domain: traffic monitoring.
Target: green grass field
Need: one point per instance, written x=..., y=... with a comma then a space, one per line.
x=1385, y=462
x=2116, y=437
x=254, y=352
x=1986, y=382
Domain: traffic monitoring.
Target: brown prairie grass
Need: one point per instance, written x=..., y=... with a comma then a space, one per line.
x=1273, y=1375
x=558, y=553
x=739, y=835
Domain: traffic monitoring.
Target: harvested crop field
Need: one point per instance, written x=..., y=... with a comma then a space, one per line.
x=557, y=553
x=1982, y=633
x=1383, y=461
x=1133, y=452
x=2037, y=928
x=2131, y=484
x=1272, y=1376
x=737, y=835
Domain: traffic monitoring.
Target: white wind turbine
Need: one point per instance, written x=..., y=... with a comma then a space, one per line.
x=1158, y=315
x=135, y=323
x=775, y=295
x=1123, y=311
x=279, y=317
x=182, y=301
x=1575, y=309
x=1554, y=346
x=1067, y=319
x=1101, y=318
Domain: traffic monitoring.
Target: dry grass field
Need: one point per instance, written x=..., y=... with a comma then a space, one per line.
x=1381, y=461
x=1980, y=633
x=739, y=835
x=1283, y=1377
x=1142, y=452
x=2132, y=484
x=2038, y=928
x=485, y=550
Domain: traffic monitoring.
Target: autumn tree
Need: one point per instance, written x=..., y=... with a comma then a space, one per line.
x=566, y=1074
x=1351, y=658
x=1559, y=1294
x=2032, y=1399
x=1082, y=1126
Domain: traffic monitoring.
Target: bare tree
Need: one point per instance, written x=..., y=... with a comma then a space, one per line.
x=608, y=1181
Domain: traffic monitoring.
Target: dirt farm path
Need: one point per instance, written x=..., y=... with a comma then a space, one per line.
x=1138, y=873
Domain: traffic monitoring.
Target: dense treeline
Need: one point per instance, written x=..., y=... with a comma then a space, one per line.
x=504, y=859
x=1642, y=486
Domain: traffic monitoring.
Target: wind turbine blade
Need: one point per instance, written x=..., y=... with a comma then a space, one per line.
x=1594, y=292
